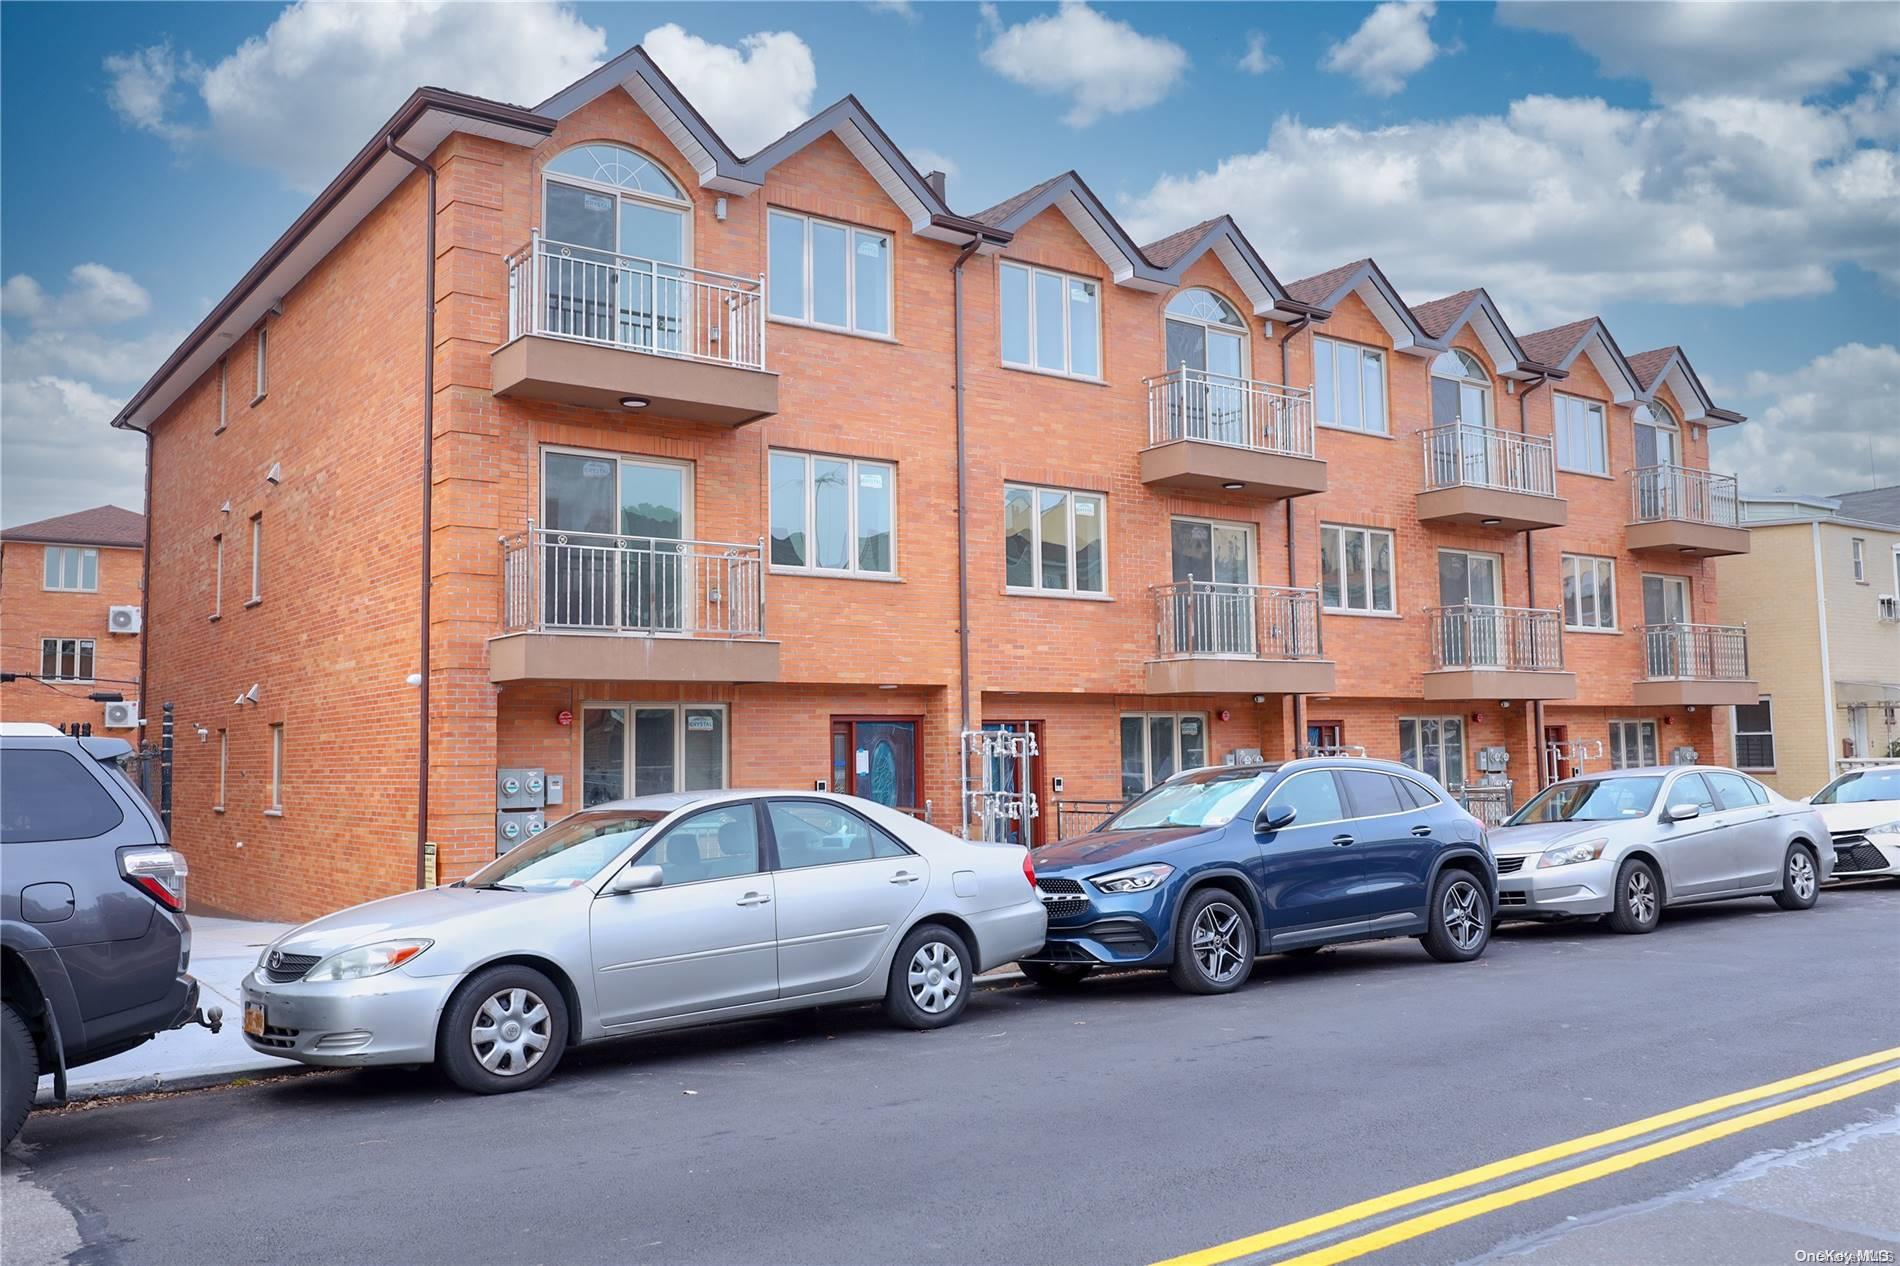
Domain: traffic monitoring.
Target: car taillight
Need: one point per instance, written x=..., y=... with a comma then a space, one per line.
x=157, y=872
x=1029, y=868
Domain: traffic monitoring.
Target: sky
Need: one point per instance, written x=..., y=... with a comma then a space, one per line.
x=1723, y=176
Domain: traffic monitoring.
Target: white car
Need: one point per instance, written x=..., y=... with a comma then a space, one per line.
x=1862, y=812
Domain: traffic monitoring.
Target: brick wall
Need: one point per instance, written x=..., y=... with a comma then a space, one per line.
x=29, y=612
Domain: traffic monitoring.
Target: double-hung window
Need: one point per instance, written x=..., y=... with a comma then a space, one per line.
x=1858, y=550
x=826, y=274
x=1755, y=735
x=257, y=558
x=1054, y=540
x=1589, y=592
x=1348, y=386
x=1355, y=566
x=1582, y=442
x=72, y=569
x=217, y=575
x=263, y=363
x=1051, y=321
x=66, y=658
x=833, y=514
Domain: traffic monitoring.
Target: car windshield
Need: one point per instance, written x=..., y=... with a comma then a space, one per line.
x=570, y=852
x=1592, y=800
x=1860, y=787
x=1210, y=799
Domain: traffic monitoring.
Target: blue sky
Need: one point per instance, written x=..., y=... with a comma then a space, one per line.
x=1724, y=177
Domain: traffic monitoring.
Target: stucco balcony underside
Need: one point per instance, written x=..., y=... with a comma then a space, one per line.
x=1684, y=536
x=1197, y=466
x=1498, y=683
x=629, y=657
x=566, y=371
x=1696, y=694
x=1213, y=674
x=1472, y=506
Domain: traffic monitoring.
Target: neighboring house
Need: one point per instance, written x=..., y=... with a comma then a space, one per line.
x=1820, y=594
x=70, y=613
x=706, y=433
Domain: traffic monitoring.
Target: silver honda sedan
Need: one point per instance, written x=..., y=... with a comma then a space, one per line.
x=1627, y=843
x=644, y=914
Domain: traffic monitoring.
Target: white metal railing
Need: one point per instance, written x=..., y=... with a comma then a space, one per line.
x=1460, y=455
x=644, y=305
x=1193, y=404
x=1488, y=802
x=1523, y=639
x=1695, y=652
x=555, y=581
x=1683, y=492
x=1195, y=618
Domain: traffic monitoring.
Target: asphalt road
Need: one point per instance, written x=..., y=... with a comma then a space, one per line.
x=1125, y=1123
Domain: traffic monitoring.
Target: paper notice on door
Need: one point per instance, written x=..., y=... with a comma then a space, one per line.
x=864, y=760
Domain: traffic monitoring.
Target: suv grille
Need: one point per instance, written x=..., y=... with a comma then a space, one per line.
x=1507, y=865
x=282, y=968
x=1062, y=897
x=1853, y=853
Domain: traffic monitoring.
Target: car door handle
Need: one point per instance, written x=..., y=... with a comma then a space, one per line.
x=905, y=877
x=1342, y=840
x=753, y=899
x=1421, y=830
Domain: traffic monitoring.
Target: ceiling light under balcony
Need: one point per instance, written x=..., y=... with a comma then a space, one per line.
x=1233, y=487
x=634, y=402
x=1491, y=522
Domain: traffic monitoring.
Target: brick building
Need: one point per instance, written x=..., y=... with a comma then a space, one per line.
x=70, y=606
x=777, y=470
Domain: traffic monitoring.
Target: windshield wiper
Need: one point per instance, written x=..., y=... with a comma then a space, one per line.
x=498, y=887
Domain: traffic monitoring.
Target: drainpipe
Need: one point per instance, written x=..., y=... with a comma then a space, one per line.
x=145, y=578
x=1292, y=558
x=428, y=511
x=1530, y=585
x=963, y=480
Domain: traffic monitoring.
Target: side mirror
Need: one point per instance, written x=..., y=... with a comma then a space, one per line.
x=1273, y=817
x=634, y=879
x=1682, y=812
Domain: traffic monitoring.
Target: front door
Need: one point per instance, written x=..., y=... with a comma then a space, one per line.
x=610, y=554
x=1470, y=581
x=705, y=939
x=878, y=758
x=1310, y=877
x=1017, y=777
x=845, y=890
x=1324, y=738
x=1214, y=614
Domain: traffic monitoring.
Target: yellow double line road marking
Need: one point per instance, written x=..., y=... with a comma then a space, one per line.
x=1413, y=1227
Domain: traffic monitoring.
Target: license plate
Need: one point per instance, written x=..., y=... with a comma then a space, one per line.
x=254, y=1019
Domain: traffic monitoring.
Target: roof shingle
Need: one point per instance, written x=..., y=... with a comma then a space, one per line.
x=1874, y=505
x=994, y=216
x=1436, y=317
x=1320, y=287
x=1164, y=253
x=1648, y=364
x=1553, y=346
x=101, y=525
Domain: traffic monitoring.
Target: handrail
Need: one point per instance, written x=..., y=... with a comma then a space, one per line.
x=1517, y=639
x=1193, y=404
x=1462, y=455
x=590, y=582
x=1687, y=493
x=1695, y=652
x=1202, y=618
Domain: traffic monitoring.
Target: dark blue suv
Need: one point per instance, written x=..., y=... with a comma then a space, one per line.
x=1215, y=866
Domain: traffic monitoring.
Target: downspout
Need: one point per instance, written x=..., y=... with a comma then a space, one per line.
x=145, y=575
x=1530, y=586
x=963, y=479
x=428, y=512
x=1292, y=558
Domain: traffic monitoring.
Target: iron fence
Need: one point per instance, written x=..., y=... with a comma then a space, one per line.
x=1462, y=455
x=1193, y=404
x=1695, y=652
x=1079, y=817
x=1526, y=639
x=1683, y=492
x=594, y=582
x=1204, y=617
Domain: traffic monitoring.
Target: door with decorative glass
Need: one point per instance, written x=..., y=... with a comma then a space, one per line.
x=611, y=556
x=618, y=232
x=1213, y=600
x=1469, y=586
x=650, y=749
x=878, y=758
x=1658, y=445
x=1667, y=649
x=1632, y=744
x=1207, y=348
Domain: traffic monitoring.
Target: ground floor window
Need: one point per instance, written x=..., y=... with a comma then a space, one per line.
x=1158, y=745
x=1633, y=744
x=638, y=749
x=1755, y=735
x=1435, y=746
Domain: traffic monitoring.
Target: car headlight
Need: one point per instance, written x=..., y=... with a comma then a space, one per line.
x=1570, y=854
x=367, y=960
x=1135, y=879
x=1885, y=828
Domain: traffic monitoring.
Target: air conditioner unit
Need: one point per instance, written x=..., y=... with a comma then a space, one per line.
x=123, y=716
x=125, y=619
x=1889, y=608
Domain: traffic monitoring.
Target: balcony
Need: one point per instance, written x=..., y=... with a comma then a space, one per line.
x=1480, y=476
x=597, y=329
x=1695, y=665
x=1681, y=510
x=1236, y=639
x=1497, y=653
x=578, y=605
x=1212, y=433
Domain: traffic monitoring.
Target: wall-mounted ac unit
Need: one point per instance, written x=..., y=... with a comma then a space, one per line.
x=123, y=716
x=125, y=619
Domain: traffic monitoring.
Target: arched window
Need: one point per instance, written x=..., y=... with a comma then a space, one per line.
x=1461, y=390
x=1205, y=307
x=1658, y=436
x=1206, y=347
x=615, y=229
x=617, y=166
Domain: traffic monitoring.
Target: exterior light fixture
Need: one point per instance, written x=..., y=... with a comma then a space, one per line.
x=1491, y=522
x=1233, y=487
x=634, y=402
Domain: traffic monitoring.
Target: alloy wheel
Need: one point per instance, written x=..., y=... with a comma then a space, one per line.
x=1217, y=945
x=1801, y=874
x=1642, y=896
x=936, y=977
x=1464, y=915
x=510, y=1032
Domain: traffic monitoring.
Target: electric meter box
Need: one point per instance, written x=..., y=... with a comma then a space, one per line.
x=517, y=826
x=520, y=788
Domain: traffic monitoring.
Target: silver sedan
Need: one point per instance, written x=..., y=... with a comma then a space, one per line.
x=644, y=914
x=1625, y=844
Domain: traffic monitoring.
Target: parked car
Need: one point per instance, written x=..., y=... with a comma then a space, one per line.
x=1628, y=843
x=94, y=944
x=1215, y=866
x=1861, y=810
x=644, y=914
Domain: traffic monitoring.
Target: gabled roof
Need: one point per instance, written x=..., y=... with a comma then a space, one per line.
x=1174, y=254
x=1671, y=365
x=102, y=525
x=1559, y=347
x=1325, y=291
x=1442, y=319
x=1874, y=505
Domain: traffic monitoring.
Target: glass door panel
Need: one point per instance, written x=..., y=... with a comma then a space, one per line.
x=704, y=744
x=1666, y=601
x=578, y=259
x=656, y=578
x=654, y=304
x=654, y=755
x=879, y=762
x=578, y=575
x=603, y=755
x=1469, y=581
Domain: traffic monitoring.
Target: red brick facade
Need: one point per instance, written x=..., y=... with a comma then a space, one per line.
x=31, y=613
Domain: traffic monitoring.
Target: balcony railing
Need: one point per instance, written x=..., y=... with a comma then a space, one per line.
x=1695, y=652
x=1202, y=618
x=643, y=305
x=1193, y=404
x=1683, y=492
x=1514, y=639
x=586, y=582
x=1464, y=456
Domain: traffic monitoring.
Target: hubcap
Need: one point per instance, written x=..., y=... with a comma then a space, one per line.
x=1642, y=896
x=936, y=977
x=1217, y=942
x=511, y=1032
x=1801, y=875
x=1464, y=915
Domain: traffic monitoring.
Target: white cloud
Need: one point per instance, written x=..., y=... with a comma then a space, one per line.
x=1721, y=46
x=1566, y=205
x=929, y=160
x=1391, y=45
x=1103, y=65
x=902, y=8
x=143, y=89
x=752, y=94
x=1825, y=427
x=95, y=295
x=1257, y=60
x=60, y=454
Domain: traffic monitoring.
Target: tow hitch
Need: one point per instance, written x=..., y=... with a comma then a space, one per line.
x=209, y=1017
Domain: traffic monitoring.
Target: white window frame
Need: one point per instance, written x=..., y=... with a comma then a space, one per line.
x=688, y=486
x=852, y=232
x=1147, y=744
x=1345, y=586
x=276, y=808
x=1360, y=352
x=1068, y=331
x=61, y=646
x=1573, y=565
x=52, y=577
x=263, y=363
x=217, y=575
x=679, y=709
x=1559, y=400
x=1637, y=726
x=224, y=394
x=224, y=768
x=1858, y=550
x=1738, y=733
x=1418, y=746
x=1497, y=570
x=1035, y=589
x=1470, y=373
x=257, y=559
x=854, y=465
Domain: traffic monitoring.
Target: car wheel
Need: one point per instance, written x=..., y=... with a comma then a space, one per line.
x=1057, y=975
x=19, y=1073
x=1460, y=918
x=505, y=1029
x=1638, y=901
x=930, y=979
x=1800, y=881
x=1213, y=943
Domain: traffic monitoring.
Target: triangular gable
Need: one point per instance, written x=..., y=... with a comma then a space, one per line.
x=1236, y=254
x=636, y=72
x=1070, y=194
x=1482, y=315
x=1670, y=365
x=1328, y=290
x=1559, y=348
